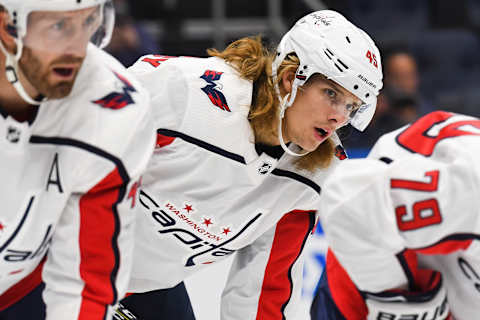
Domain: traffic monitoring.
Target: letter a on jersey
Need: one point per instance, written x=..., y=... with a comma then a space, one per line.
x=54, y=176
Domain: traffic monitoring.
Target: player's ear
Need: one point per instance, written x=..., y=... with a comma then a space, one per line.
x=5, y=35
x=287, y=80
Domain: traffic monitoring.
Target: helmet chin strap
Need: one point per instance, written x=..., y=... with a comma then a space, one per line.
x=286, y=102
x=11, y=71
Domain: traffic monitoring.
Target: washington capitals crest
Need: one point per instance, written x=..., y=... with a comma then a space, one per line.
x=118, y=100
x=215, y=96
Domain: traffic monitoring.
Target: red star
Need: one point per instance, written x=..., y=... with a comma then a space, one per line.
x=188, y=208
x=1, y=227
x=226, y=230
x=208, y=222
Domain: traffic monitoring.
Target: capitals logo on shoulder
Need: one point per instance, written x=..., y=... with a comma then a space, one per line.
x=215, y=96
x=118, y=100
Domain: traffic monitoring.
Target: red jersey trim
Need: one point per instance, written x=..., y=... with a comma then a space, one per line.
x=163, y=141
x=22, y=288
x=343, y=289
x=446, y=247
x=290, y=236
x=98, y=235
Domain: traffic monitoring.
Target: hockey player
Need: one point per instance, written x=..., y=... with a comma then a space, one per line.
x=74, y=138
x=245, y=141
x=404, y=226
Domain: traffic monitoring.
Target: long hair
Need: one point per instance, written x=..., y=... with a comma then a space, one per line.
x=253, y=61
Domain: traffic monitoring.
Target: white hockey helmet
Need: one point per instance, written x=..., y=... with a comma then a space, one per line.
x=327, y=43
x=19, y=11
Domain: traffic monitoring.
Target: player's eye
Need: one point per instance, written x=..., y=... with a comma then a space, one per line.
x=91, y=20
x=332, y=94
x=59, y=25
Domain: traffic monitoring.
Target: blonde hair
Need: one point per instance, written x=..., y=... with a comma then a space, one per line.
x=254, y=62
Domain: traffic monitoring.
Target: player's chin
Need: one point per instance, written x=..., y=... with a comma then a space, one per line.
x=310, y=145
x=59, y=90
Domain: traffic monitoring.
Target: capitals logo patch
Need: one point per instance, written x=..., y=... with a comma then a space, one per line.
x=118, y=100
x=340, y=153
x=215, y=96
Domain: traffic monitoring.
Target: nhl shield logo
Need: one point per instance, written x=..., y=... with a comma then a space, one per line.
x=264, y=168
x=13, y=134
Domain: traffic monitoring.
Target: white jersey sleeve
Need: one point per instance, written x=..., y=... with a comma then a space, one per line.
x=265, y=279
x=426, y=201
x=167, y=88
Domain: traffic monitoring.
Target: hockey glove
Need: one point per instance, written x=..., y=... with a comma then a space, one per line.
x=401, y=305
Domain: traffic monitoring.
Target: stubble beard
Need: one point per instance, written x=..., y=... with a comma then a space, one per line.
x=31, y=67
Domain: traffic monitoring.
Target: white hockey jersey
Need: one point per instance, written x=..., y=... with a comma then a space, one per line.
x=418, y=191
x=68, y=185
x=207, y=193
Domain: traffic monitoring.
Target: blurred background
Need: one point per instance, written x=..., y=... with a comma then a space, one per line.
x=430, y=48
x=430, y=55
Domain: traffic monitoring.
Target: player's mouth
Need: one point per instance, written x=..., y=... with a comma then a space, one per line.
x=322, y=133
x=64, y=72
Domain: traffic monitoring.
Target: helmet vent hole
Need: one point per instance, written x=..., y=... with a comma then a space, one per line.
x=343, y=64
x=331, y=53
x=367, y=95
x=348, y=39
x=355, y=87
